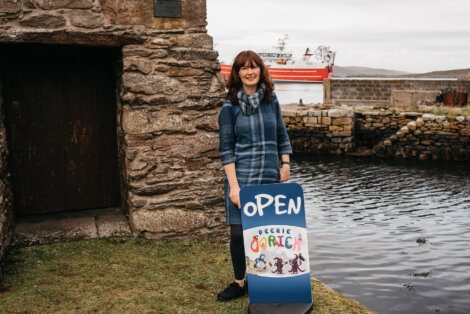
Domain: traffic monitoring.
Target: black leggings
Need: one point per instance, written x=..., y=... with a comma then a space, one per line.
x=237, y=251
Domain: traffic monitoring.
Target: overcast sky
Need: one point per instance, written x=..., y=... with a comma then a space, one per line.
x=408, y=35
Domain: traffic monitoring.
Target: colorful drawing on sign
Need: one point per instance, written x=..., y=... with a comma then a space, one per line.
x=272, y=247
x=276, y=247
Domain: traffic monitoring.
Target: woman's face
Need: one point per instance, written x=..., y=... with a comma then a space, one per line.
x=249, y=74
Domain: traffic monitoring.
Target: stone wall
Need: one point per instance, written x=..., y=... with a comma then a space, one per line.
x=169, y=94
x=414, y=135
x=319, y=130
x=372, y=127
x=391, y=134
x=378, y=92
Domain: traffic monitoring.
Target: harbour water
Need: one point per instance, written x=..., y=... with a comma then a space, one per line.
x=393, y=235
x=291, y=93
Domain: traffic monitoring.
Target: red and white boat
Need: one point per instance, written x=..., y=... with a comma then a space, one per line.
x=312, y=68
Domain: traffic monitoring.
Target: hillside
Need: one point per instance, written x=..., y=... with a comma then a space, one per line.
x=460, y=74
x=355, y=71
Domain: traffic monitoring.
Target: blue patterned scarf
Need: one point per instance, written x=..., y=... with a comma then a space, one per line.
x=249, y=104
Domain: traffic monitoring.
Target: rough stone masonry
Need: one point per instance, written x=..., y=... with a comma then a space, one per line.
x=169, y=92
x=382, y=133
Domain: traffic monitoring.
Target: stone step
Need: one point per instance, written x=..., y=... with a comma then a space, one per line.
x=71, y=226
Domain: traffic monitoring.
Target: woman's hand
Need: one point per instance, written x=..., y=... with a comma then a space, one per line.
x=284, y=173
x=235, y=195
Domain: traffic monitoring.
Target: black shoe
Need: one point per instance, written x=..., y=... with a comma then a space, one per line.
x=233, y=291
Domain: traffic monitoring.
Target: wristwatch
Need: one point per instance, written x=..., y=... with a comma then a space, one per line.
x=285, y=163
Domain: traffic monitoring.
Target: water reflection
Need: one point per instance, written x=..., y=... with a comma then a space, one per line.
x=394, y=235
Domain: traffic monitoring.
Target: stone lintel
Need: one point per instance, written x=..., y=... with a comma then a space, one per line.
x=70, y=37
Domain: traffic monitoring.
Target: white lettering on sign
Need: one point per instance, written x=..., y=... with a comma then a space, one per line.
x=292, y=206
x=250, y=212
x=264, y=200
x=278, y=204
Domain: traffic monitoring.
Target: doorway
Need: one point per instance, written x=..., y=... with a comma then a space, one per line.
x=60, y=117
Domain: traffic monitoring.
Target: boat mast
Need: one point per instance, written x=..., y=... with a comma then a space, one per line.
x=281, y=44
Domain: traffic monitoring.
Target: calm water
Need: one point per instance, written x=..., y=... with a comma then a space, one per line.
x=395, y=236
x=289, y=93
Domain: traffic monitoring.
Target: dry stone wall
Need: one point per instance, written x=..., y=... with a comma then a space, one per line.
x=372, y=127
x=378, y=133
x=320, y=130
x=169, y=95
x=424, y=136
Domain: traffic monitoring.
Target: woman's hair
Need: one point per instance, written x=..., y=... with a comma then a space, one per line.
x=235, y=83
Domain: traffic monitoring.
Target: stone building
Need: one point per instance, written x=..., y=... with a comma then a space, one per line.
x=110, y=103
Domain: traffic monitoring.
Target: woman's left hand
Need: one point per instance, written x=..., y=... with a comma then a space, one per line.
x=284, y=173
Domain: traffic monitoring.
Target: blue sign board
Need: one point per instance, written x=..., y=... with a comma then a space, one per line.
x=276, y=246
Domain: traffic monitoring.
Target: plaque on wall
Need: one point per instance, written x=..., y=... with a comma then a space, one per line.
x=167, y=8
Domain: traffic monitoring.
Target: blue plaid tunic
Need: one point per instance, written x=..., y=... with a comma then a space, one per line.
x=254, y=144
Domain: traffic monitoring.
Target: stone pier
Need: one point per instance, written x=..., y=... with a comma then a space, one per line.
x=315, y=129
x=383, y=133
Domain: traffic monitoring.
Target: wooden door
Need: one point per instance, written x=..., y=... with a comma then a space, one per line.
x=60, y=107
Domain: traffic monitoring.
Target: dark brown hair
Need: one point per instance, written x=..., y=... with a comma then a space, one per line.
x=235, y=83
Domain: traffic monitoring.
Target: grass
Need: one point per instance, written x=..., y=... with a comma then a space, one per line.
x=131, y=275
x=449, y=112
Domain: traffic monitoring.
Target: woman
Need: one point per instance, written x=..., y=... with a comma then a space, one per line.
x=252, y=140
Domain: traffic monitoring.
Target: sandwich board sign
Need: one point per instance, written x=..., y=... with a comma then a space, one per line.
x=276, y=248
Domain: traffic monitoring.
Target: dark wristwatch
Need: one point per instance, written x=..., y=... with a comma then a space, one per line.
x=285, y=163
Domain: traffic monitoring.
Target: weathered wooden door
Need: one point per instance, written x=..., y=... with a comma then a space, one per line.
x=60, y=106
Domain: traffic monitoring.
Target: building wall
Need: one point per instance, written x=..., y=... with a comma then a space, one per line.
x=378, y=92
x=169, y=95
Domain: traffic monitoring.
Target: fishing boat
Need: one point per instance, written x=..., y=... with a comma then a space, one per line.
x=313, y=67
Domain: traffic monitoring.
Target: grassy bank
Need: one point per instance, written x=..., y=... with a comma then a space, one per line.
x=130, y=275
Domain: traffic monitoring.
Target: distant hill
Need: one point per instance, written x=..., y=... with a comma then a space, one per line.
x=354, y=71
x=463, y=74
